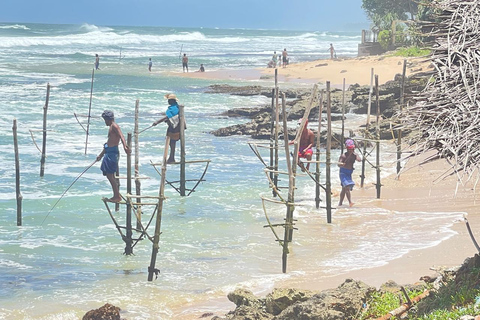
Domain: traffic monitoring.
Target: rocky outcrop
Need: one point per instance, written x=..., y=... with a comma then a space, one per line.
x=341, y=303
x=106, y=312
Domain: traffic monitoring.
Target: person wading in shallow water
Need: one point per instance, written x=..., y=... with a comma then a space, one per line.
x=172, y=118
x=345, y=162
x=110, y=153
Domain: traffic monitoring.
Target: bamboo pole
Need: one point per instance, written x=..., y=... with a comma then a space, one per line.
x=117, y=181
x=158, y=220
x=328, y=184
x=399, y=131
x=343, y=118
x=367, y=125
x=181, y=114
x=272, y=139
x=317, y=166
x=138, y=184
x=377, y=131
x=17, y=174
x=128, y=238
x=44, y=142
x=89, y=111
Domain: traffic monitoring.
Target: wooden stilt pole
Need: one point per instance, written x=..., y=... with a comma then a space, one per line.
x=367, y=126
x=158, y=220
x=44, y=142
x=89, y=111
x=272, y=139
x=317, y=165
x=378, y=184
x=399, y=131
x=117, y=181
x=181, y=114
x=328, y=184
x=128, y=236
x=17, y=174
x=277, y=123
x=138, y=184
x=342, y=141
x=291, y=172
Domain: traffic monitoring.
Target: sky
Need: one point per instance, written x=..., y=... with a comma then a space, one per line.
x=314, y=15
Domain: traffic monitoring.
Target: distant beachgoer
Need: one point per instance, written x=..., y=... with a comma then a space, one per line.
x=345, y=162
x=284, y=58
x=307, y=139
x=110, y=153
x=97, y=62
x=172, y=118
x=333, y=53
x=150, y=64
x=202, y=68
x=185, y=62
x=275, y=58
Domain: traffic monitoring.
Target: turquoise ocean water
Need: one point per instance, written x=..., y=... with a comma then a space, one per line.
x=212, y=241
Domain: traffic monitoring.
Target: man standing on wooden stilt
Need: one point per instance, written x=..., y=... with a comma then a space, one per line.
x=172, y=118
x=110, y=153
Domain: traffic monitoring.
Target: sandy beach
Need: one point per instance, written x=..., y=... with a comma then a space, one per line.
x=418, y=188
x=353, y=70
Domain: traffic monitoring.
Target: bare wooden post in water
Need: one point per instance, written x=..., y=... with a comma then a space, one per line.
x=317, y=167
x=128, y=238
x=44, y=142
x=378, y=184
x=277, y=121
x=158, y=221
x=342, y=141
x=399, y=131
x=17, y=174
x=272, y=140
x=137, y=171
x=89, y=111
x=181, y=114
x=117, y=181
x=328, y=184
x=367, y=126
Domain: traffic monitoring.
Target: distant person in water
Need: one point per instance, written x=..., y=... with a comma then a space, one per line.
x=307, y=139
x=97, y=62
x=333, y=53
x=345, y=162
x=150, y=64
x=110, y=153
x=285, y=58
x=185, y=62
x=172, y=119
x=202, y=68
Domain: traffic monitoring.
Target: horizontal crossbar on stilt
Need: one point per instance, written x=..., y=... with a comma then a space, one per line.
x=133, y=178
x=190, y=161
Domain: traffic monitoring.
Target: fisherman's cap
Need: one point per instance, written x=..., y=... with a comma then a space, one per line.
x=171, y=96
x=107, y=115
x=350, y=144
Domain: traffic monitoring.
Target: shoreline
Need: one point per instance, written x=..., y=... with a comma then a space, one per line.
x=350, y=70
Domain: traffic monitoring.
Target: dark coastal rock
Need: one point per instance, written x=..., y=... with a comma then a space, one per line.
x=247, y=313
x=106, y=312
x=280, y=299
x=337, y=304
x=242, y=297
x=255, y=91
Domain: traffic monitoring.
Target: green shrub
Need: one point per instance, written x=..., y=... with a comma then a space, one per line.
x=385, y=38
x=411, y=52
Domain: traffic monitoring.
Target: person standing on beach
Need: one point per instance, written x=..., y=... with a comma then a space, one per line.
x=333, y=54
x=185, y=62
x=274, y=58
x=97, y=62
x=150, y=64
x=345, y=162
x=284, y=57
x=172, y=119
x=110, y=153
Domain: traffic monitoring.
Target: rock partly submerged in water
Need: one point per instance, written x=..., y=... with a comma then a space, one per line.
x=106, y=312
